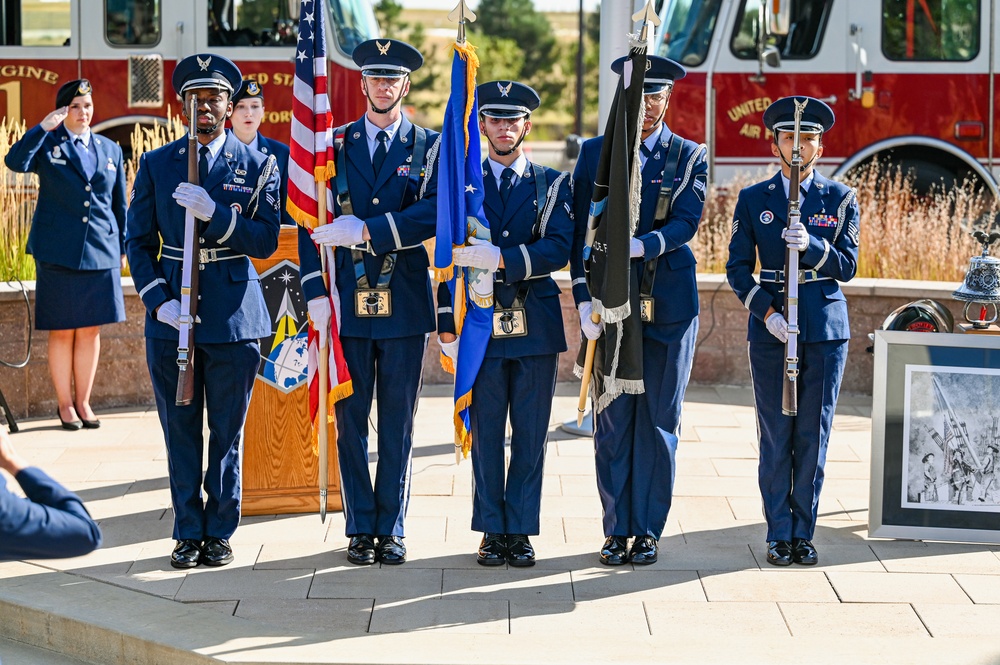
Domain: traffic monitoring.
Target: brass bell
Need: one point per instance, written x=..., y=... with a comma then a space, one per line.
x=982, y=283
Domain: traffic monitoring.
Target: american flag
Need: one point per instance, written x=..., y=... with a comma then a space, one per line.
x=310, y=166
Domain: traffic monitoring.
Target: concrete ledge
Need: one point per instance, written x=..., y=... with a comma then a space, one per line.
x=123, y=379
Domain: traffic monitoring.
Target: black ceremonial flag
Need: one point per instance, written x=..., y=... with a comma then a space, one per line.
x=614, y=214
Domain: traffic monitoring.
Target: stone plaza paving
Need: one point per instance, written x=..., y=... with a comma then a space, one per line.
x=291, y=596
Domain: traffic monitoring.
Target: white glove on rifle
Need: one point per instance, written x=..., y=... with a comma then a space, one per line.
x=796, y=236
x=636, y=250
x=777, y=326
x=195, y=199
x=170, y=313
x=319, y=312
x=344, y=231
x=590, y=329
x=481, y=254
x=450, y=349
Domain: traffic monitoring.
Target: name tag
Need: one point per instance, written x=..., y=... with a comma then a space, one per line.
x=511, y=322
x=53, y=160
x=373, y=303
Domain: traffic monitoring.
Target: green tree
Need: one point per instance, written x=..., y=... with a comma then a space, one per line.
x=518, y=21
x=389, y=15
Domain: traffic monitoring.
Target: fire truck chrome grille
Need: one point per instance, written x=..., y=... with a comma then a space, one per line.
x=145, y=73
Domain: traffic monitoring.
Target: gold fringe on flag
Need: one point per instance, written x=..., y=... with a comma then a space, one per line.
x=338, y=393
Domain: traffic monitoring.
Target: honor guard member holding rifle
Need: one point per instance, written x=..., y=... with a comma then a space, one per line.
x=635, y=436
x=248, y=112
x=384, y=210
x=793, y=448
x=529, y=209
x=235, y=212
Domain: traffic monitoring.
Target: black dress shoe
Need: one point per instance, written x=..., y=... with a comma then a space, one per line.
x=186, y=554
x=361, y=550
x=390, y=550
x=216, y=552
x=644, y=550
x=90, y=424
x=520, y=553
x=71, y=425
x=492, y=550
x=614, y=552
x=779, y=553
x=804, y=553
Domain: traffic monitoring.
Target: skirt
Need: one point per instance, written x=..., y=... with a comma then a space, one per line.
x=66, y=298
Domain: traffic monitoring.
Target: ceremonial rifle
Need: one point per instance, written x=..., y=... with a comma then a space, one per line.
x=789, y=386
x=189, y=272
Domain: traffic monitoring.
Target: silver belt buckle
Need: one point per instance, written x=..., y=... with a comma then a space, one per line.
x=373, y=303
x=510, y=322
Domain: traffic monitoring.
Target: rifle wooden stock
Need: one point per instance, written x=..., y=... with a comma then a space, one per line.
x=789, y=384
x=189, y=273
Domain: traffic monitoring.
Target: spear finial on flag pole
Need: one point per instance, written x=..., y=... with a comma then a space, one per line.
x=461, y=14
x=648, y=17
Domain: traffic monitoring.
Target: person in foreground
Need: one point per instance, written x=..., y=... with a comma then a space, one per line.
x=51, y=523
x=529, y=209
x=237, y=213
x=78, y=240
x=793, y=448
x=635, y=436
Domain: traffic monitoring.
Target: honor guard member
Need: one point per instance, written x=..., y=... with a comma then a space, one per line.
x=77, y=238
x=384, y=210
x=793, y=448
x=635, y=437
x=237, y=211
x=529, y=209
x=248, y=112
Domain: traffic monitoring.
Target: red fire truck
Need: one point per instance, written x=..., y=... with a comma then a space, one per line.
x=128, y=49
x=913, y=82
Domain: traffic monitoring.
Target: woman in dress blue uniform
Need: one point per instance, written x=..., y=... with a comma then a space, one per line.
x=77, y=238
x=237, y=211
x=529, y=208
x=793, y=448
x=248, y=112
x=635, y=436
x=385, y=208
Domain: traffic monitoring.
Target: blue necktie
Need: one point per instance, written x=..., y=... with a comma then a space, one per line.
x=506, y=180
x=203, y=165
x=381, y=139
x=87, y=157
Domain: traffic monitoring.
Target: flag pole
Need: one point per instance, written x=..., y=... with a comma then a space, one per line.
x=647, y=15
x=322, y=417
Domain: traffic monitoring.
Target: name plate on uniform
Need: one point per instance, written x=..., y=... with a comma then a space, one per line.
x=511, y=322
x=369, y=303
x=646, y=309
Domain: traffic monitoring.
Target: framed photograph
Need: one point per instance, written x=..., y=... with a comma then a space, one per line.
x=936, y=437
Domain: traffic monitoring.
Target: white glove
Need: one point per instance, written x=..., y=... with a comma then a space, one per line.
x=482, y=254
x=636, y=250
x=796, y=236
x=319, y=312
x=195, y=199
x=590, y=329
x=450, y=349
x=170, y=313
x=344, y=231
x=777, y=326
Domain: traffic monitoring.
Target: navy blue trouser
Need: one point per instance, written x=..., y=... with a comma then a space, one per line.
x=395, y=366
x=223, y=380
x=793, y=449
x=522, y=388
x=635, y=438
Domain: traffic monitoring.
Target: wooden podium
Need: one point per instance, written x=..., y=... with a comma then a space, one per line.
x=279, y=467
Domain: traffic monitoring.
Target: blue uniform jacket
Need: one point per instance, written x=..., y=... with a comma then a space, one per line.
x=51, y=523
x=397, y=220
x=528, y=254
x=232, y=305
x=675, y=289
x=280, y=152
x=79, y=223
x=830, y=214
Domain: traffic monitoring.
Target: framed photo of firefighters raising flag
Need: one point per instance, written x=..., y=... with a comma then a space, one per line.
x=936, y=437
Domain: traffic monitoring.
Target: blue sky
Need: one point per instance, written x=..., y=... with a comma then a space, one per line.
x=550, y=5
